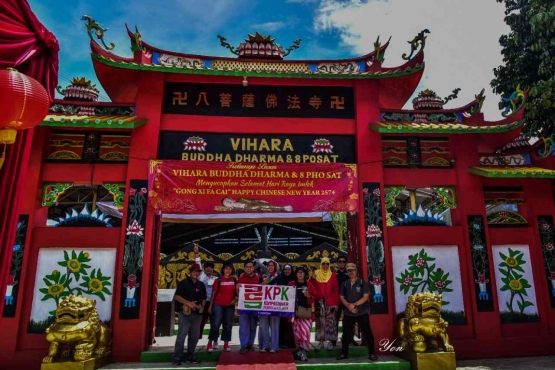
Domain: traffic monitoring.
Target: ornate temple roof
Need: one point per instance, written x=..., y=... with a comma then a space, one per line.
x=80, y=109
x=93, y=122
x=441, y=128
x=513, y=172
x=118, y=75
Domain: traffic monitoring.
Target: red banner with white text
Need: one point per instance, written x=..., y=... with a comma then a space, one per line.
x=180, y=187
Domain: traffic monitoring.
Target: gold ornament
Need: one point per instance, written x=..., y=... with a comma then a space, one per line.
x=423, y=334
x=77, y=325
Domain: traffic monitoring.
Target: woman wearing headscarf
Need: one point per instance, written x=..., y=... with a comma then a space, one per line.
x=286, y=338
x=268, y=335
x=326, y=305
x=302, y=322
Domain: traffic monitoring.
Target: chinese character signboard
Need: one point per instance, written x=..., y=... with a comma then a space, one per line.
x=267, y=300
x=259, y=101
x=233, y=187
x=189, y=146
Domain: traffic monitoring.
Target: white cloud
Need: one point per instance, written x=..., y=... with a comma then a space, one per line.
x=268, y=26
x=300, y=1
x=461, y=50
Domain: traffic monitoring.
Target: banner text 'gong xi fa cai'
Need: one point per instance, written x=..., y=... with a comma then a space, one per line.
x=235, y=187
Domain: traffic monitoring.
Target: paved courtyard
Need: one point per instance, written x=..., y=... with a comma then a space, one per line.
x=519, y=363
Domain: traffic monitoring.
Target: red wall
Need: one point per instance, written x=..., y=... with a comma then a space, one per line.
x=483, y=336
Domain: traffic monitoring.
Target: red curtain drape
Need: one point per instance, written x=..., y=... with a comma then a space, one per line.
x=26, y=45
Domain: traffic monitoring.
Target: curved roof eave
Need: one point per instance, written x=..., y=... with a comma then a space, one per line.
x=149, y=47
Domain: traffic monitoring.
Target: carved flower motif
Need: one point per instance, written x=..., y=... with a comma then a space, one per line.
x=420, y=262
x=373, y=232
x=55, y=289
x=408, y=280
x=365, y=191
x=95, y=285
x=440, y=284
x=549, y=247
x=74, y=265
x=511, y=261
x=376, y=192
x=545, y=226
x=515, y=285
x=143, y=191
x=135, y=229
x=132, y=191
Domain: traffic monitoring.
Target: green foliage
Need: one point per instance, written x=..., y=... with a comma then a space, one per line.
x=529, y=57
x=422, y=276
x=59, y=284
x=513, y=281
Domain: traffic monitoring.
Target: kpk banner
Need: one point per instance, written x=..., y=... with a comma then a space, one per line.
x=267, y=300
x=219, y=187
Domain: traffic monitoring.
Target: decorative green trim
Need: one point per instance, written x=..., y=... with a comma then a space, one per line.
x=92, y=122
x=447, y=195
x=440, y=128
x=52, y=191
x=506, y=218
x=513, y=172
x=116, y=190
x=215, y=72
x=389, y=200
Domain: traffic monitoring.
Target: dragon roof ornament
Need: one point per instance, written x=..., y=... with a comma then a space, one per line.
x=418, y=41
x=259, y=46
x=93, y=26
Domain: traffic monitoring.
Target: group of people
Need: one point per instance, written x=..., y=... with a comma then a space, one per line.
x=321, y=297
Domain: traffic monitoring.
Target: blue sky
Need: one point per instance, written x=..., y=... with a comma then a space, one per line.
x=461, y=50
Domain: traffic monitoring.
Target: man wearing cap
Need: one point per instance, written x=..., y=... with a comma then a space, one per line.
x=207, y=277
x=190, y=298
x=354, y=295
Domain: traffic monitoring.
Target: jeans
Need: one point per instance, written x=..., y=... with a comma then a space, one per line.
x=247, y=330
x=363, y=322
x=205, y=316
x=187, y=326
x=269, y=332
x=221, y=316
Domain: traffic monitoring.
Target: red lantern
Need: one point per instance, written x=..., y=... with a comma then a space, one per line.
x=24, y=103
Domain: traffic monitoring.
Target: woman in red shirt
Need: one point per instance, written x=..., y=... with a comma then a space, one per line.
x=326, y=283
x=222, y=307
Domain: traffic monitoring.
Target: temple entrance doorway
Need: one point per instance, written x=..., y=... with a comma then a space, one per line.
x=298, y=240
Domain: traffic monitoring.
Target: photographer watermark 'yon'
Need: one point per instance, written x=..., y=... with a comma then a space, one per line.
x=389, y=346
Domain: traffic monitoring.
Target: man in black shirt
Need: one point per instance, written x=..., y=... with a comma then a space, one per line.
x=341, y=278
x=354, y=294
x=190, y=298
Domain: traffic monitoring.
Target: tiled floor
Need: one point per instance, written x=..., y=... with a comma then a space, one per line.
x=518, y=363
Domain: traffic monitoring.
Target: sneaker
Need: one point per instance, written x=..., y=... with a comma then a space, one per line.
x=227, y=348
x=176, y=363
x=210, y=347
x=243, y=350
x=250, y=348
x=330, y=346
x=373, y=358
x=215, y=345
x=320, y=345
x=273, y=351
x=262, y=350
x=303, y=357
x=342, y=357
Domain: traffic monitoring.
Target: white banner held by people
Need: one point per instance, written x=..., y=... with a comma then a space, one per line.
x=267, y=300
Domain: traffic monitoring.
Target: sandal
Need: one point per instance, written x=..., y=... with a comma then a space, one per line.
x=342, y=357
x=373, y=358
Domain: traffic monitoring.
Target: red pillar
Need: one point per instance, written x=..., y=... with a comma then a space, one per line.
x=131, y=335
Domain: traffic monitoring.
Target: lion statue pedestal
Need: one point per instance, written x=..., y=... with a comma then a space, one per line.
x=77, y=326
x=423, y=334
